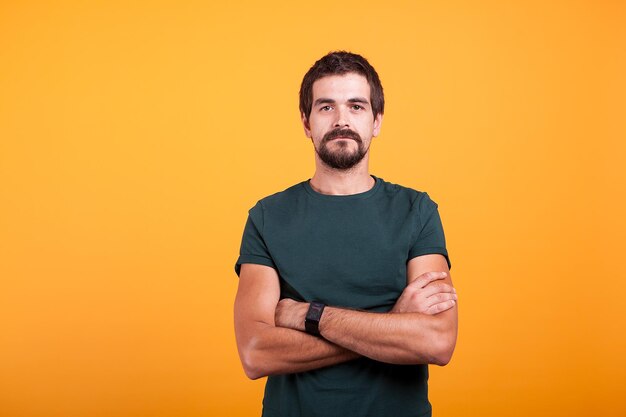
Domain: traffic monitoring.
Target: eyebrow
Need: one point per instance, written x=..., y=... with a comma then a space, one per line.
x=359, y=100
x=331, y=101
x=323, y=101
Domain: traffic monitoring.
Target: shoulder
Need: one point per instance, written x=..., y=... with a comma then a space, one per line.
x=284, y=197
x=281, y=200
x=417, y=199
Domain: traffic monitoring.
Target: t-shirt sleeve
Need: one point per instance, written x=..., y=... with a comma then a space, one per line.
x=428, y=236
x=253, y=248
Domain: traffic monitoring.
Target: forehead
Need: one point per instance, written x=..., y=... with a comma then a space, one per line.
x=341, y=86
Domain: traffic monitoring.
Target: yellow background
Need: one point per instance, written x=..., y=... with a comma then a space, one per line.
x=134, y=138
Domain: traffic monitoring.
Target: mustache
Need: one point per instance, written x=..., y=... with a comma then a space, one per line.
x=342, y=133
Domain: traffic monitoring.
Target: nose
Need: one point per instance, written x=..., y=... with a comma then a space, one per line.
x=342, y=118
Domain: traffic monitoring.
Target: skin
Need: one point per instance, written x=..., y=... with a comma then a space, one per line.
x=422, y=326
x=341, y=113
x=404, y=336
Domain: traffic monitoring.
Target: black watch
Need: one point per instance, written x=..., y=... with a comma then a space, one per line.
x=313, y=316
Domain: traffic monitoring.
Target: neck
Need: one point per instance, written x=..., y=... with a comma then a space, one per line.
x=342, y=182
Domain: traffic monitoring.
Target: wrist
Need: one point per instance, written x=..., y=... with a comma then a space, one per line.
x=300, y=316
x=290, y=314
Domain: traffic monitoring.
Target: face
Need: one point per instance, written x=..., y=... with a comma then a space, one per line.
x=341, y=125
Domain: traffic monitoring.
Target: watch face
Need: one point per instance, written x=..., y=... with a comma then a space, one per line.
x=313, y=317
x=315, y=311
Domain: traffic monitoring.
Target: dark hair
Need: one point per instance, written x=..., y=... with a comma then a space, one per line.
x=339, y=63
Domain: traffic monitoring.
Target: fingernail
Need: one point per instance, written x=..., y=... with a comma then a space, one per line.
x=453, y=290
x=443, y=274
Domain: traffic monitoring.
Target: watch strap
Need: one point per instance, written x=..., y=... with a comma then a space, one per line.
x=313, y=316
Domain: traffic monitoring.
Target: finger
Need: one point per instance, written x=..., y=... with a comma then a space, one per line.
x=440, y=298
x=441, y=307
x=428, y=277
x=437, y=287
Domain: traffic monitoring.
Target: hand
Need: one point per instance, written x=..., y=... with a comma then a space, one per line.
x=425, y=296
x=290, y=314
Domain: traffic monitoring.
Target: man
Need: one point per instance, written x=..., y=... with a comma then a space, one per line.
x=344, y=293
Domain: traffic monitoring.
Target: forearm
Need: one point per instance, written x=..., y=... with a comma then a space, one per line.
x=400, y=338
x=275, y=350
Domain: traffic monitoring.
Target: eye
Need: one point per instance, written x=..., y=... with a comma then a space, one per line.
x=357, y=107
x=326, y=108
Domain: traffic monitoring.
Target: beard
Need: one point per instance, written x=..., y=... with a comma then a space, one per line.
x=341, y=158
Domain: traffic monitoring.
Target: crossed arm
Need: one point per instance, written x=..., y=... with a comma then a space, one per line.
x=421, y=328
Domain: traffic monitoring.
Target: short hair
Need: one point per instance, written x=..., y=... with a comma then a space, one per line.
x=340, y=63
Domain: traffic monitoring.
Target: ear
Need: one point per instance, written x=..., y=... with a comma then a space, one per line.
x=378, y=121
x=306, y=125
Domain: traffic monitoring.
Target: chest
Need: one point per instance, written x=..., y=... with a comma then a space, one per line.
x=346, y=255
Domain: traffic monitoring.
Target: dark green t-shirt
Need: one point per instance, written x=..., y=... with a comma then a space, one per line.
x=345, y=251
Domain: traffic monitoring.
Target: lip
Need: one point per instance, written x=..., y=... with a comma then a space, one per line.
x=341, y=137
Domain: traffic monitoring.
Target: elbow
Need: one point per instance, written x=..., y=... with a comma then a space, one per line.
x=444, y=348
x=443, y=343
x=250, y=367
x=439, y=352
x=252, y=372
x=252, y=362
x=443, y=357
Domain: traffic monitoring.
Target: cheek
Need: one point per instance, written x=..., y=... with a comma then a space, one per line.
x=319, y=132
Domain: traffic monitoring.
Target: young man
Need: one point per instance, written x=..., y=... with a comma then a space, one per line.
x=344, y=293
